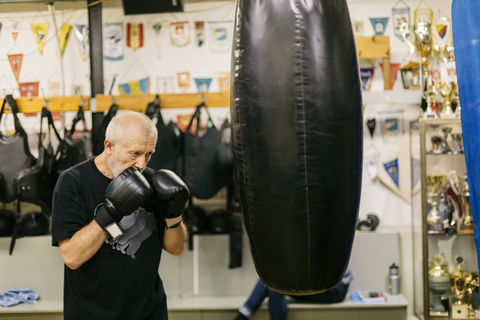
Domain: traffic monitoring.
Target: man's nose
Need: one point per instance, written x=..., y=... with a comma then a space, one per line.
x=141, y=163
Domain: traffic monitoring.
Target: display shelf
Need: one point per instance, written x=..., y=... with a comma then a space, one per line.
x=55, y=104
x=449, y=245
x=392, y=97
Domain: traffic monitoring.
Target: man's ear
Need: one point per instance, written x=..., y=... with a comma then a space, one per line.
x=109, y=145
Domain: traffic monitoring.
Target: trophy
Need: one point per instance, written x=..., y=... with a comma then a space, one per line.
x=459, y=279
x=429, y=96
x=439, y=281
x=435, y=182
x=457, y=143
x=453, y=191
x=423, y=39
x=446, y=132
x=466, y=220
x=472, y=293
x=445, y=89
x=437, y=145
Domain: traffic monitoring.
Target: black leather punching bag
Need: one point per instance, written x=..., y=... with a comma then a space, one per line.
x=297, y=132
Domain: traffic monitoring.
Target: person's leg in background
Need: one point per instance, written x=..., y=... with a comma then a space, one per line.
x=334, y=295
x=277, y=304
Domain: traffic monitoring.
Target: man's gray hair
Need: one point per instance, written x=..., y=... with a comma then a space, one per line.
x=118, y=124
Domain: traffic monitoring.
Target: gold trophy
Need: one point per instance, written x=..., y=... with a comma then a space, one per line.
x=435, y=182
x=439, y=281
x=466, y=221
x=472, y=292
x=424, y=45
x=459, y=280
x=430, y=97
x=445, y=89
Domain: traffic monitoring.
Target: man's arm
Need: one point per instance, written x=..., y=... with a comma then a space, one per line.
x=77, y=250
x=174, y=239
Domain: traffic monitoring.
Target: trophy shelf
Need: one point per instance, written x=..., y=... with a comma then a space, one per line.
x=438, y=275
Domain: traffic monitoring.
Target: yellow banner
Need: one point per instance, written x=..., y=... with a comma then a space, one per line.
x=64, y=32
x=40, y=33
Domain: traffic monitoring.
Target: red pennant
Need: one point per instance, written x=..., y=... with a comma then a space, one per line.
x=16, y=63
x=393, y=73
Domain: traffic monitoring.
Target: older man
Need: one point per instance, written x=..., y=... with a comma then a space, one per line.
x=111, y=218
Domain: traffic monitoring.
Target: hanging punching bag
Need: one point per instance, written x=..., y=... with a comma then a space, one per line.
x=466, y=44
x=297, y=133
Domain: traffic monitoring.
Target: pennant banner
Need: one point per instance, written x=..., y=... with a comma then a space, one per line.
x=113, y=41
x=394, y=67
x=200, y=32
x=203, y=84
x=223, y=81
x=423, y=15
x=220, y=35
x=62, y=38
x=358, y=27
x=81, y=34
x=400, y=15
x=183, y=79
x=442, y=32
x=392, y=169
x=40, y=33
x=141, y=86
x=366, y=75
x=371, y=159
x=29, y=89
x=15, y=25
x=157, y=31
x=164, y=84
x=134, y=35
x=379, y=25
x=0, y=27
x=179, y=33
x=54, y=88
x=16, y=63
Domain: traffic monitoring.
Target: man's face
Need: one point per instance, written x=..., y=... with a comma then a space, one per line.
x=134, y=151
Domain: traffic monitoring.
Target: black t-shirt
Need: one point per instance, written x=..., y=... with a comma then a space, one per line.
x=121, y=280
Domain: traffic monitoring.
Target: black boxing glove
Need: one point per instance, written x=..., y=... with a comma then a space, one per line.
x=125, y=194
x=170, y=194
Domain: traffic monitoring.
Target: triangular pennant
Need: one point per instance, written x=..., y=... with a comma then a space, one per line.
x=81, y=34
x=203, y=84
x=366, y=75
x=200, y=32
x=29, y=89
x=16, y=63
x=179, y=33
x=371, y=124
x=220, y=35
x=113, y=41
x=358, y=27
x=134, y=35
x=141, y=86
x=392, y=170
x=62, y=38
x=40, y=33
x=15, y=25
x=394, y=67
x=371, y=159
x=223, y=81
x=379, y=25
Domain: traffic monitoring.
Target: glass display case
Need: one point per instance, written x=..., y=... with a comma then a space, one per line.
x=445, y=260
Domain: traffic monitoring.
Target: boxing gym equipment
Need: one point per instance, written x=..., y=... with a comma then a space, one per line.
x=296, y=115
x=36, y=184
x=35, y=224
x=198, y=166
x=99, y=136
x=195, y=218
x=169, y=140
x=466, y=36
x=7, y=221
x=218, y=221
x=15, y=154
x=71, y=151
x=371, y=223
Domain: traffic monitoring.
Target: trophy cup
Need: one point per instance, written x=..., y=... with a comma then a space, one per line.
x=437, y=145
x=446, y=132
x=429, y=96
x=424, y=45
x=452, y=190
x=445, y=89
x=439, y=281
x=459, y=279
x=457, y=143
x=472, y=292
x=435, y=182
x=466, y=220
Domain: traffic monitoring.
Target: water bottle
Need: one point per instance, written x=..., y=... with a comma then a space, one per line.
x=393, y=280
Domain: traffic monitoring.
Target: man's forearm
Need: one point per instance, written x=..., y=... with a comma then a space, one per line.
x=174, y=239
x=82, y=246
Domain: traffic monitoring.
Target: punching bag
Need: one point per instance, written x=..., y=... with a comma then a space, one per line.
x=466, y=43
x=297, y=134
